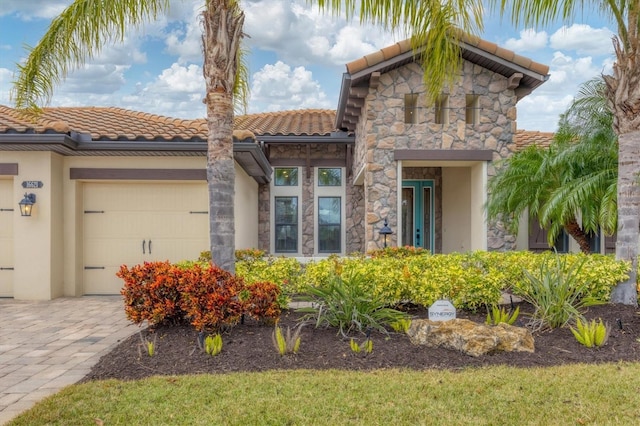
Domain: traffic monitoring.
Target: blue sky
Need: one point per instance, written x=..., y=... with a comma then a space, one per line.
x=297, y=57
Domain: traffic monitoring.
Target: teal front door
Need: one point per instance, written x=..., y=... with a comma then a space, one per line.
x=417, y=214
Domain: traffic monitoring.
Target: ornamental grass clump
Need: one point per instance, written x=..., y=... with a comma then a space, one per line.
x=344, y=303
x=556, y=293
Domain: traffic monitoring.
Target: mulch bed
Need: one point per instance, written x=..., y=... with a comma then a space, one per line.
x=249, y=347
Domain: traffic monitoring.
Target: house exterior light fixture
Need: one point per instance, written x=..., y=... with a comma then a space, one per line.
x=385, y=230
x=26, y=205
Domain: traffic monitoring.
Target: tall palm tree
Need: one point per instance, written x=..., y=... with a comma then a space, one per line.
x=436, y=26
x=623, y=98
x=84, y=27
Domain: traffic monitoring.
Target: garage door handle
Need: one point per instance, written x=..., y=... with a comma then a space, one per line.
x=143, y=244
x=149, y=246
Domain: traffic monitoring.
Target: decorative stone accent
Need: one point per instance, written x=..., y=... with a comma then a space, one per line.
x=295, y=153
x=469, y=337
x=381, y=130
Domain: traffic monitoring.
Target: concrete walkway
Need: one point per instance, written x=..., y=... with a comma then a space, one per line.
x=45, y=346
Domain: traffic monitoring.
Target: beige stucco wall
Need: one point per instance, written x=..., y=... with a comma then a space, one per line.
x=48, y=246
x=38, y=240
x=246, y=210
x=478, y=199
x=456, y=202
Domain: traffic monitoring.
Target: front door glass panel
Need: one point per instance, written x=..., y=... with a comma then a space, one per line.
x=417, y=214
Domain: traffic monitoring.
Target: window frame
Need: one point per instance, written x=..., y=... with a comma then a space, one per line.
x=339, y=224
x=324, y=192
x=277, y=191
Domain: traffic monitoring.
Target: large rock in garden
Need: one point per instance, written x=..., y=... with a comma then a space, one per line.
x=469, y=337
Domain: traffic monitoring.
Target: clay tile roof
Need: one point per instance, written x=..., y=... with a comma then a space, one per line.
x=525, y=138
x=104, y=123
x=300, y=122
x=405, y=46
x=110, y=123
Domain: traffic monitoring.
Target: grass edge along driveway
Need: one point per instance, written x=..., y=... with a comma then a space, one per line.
x=572, y=394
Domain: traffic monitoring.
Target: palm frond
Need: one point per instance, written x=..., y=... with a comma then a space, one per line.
x=77, y=34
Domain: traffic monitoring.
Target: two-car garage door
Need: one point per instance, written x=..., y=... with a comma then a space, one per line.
x=130, y=223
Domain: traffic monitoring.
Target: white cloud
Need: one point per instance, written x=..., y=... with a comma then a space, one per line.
x=34, y=9
x=101, y=79
x=529, y=40
x=541, y=109
x=177, y=92
x=279, y=87
x=6, y=77
x=184, y=39
x=302, y=35
x=583, y=39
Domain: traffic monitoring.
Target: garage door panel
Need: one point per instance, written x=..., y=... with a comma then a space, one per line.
x=112, y=252
x=102, y=281
x=6, y=238
x=133, y=213
x=177, y=250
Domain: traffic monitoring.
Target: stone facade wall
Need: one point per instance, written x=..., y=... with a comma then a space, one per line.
x=382, y=129
x=298, y=154
x=354, y=223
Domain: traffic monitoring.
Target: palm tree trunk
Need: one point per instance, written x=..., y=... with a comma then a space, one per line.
x=628, y=215
x=574, y=229
x=623, y=96
x=223, y=21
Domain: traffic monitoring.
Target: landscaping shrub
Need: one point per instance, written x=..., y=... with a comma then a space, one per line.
x=557, y=292
x=344, y=303
x=210, y=297
x=151, y=293
x=205, y=295
x=262, y=300
x=283, y=271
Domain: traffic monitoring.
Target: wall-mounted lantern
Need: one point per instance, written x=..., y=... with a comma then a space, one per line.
x=385, y=230
x=26, y=205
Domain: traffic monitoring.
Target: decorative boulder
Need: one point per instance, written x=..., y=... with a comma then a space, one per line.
x=469, y=337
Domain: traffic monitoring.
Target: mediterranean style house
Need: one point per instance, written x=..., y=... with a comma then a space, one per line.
x=109, y=186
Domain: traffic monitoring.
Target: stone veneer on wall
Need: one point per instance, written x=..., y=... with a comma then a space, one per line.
x=298, y=154
x=381, y=130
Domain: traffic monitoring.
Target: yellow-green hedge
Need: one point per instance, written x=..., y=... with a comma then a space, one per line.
x=469, y=280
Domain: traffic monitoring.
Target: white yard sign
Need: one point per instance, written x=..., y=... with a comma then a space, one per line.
x=442, y=310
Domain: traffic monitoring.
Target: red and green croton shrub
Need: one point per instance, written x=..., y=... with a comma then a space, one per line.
x=206, y=296
x=210, y=297
x=151, y=293
x=261, y=300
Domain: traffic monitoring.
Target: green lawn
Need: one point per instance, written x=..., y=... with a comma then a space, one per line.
x=569, y=395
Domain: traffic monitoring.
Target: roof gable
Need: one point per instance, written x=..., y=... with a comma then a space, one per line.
x=526, y=74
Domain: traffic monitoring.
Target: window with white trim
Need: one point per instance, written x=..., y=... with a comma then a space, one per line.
x=329, y=214
x=286, y=224
x=286, y=211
